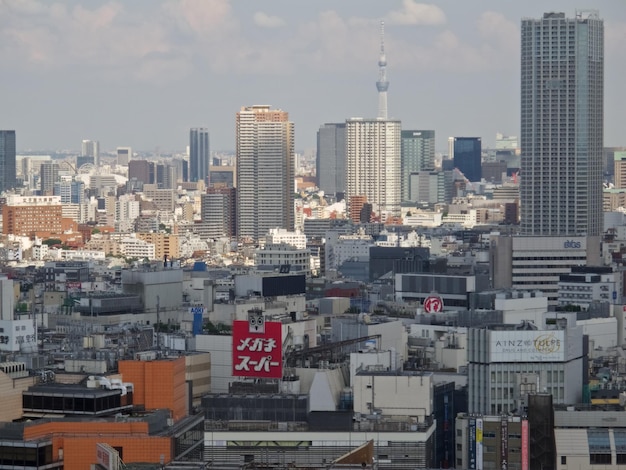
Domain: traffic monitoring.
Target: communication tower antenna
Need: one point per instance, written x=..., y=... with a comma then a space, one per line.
x=382, y=84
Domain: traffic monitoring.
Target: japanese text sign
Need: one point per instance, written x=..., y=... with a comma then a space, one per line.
x=257, y=354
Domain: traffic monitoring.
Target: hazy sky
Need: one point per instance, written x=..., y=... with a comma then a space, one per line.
x=142, y=72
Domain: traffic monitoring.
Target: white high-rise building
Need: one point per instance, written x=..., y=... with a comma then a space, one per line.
x=373, y=149
x=265, y=171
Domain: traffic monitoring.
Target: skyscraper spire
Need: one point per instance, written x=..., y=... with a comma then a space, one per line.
x=382, y=84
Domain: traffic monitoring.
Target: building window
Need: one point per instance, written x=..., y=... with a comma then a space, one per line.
x=563, y=460
x=599, y=459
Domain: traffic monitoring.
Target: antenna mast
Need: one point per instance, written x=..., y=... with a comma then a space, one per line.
x=382, y=84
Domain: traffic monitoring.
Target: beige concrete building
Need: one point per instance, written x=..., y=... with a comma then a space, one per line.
x=164, y=244
x=12, y=384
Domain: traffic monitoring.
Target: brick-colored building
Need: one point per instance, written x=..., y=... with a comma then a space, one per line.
x=158, y=384
x=28, y=215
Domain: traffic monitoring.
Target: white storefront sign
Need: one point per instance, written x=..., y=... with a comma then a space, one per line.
x=527, y=346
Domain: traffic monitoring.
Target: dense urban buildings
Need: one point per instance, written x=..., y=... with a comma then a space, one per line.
x=265, y=171
x=390, y=318
x=562, y=83
x=199, y=154
x=7, y=160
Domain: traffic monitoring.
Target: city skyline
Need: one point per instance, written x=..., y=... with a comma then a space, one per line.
x=171, y=66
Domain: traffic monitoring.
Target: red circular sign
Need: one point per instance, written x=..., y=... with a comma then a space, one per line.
x=433, y=304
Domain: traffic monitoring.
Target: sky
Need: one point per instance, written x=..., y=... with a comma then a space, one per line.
x=141, y=73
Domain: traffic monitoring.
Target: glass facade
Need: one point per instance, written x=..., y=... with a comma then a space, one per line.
x=467, y=153
x=417, y=153
x=199, y=154
x=7, y=160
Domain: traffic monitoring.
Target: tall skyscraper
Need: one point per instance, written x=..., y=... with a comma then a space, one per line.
x=373, y=163
x=562, y=83
x=91, y=148
x=265, y=171
x=417, y=154
x=467, y=154
x=331, y=158
x=7, y=160
x=199, y=154
x=382, y=85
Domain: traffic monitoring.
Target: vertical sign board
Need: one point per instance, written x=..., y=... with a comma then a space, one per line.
x=504, y=444
x=197, y=313
x=257, y=354
x=471, y=444
x=525, y=443
x=479, y=444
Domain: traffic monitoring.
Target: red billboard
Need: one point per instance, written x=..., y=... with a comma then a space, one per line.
x=257, y=354
x=525, y=444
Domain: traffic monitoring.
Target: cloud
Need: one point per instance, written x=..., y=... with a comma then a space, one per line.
x=413, y=13
x=107, y=41
x=202, y=17
x=266, y=21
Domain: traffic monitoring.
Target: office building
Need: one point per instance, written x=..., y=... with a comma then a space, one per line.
x=431, y=187
x=265, y=171
x=71, y=192
x=619, y=168
x=142, y=170
x=467, y=157
x=417, y=154
x=507, y=363
x=331, y=159
x=494, y=172
x=562, y=62
x=222, y=176
x=7, y=160
x=199, y=154
x=124, y=155
x=48, y=177
x=373, y=163
x=536, y=263
x=91, y=148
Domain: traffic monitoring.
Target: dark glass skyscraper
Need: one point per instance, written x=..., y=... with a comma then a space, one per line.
x=467, y=151
x=7, y=160
x=331, y=158
x=199, y=154
x=417, y=154
x=562, y=92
